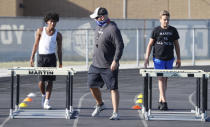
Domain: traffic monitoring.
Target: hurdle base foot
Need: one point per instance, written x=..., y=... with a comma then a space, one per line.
x=175, y=115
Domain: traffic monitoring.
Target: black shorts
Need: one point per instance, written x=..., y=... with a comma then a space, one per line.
x=98, y=76
x=48, y=60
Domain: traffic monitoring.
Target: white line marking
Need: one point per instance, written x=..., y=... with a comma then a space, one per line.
x=5, y=121
x=79, y=106
x=140, y=114
x=190, y=99
x=8, y=118
x=142, y=119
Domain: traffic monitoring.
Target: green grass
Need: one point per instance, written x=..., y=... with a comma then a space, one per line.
x=65, y=63
x=80, y=63
x=27, y=64
x=14, y=64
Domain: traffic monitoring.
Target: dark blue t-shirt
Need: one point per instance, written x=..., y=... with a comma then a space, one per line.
x=164, y=42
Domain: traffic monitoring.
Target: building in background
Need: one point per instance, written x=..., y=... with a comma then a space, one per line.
x=129, y=9
x=11, y=8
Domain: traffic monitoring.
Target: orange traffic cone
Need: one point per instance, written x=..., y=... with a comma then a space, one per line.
x=136, y=107
x=28, y=99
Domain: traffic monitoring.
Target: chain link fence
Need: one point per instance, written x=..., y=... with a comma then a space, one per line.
x=17, y=38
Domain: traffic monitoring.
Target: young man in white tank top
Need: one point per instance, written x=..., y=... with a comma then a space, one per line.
x=47, y=40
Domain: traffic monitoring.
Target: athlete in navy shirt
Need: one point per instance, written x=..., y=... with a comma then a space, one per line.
x=163, y=40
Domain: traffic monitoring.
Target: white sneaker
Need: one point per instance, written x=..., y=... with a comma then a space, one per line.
x=43, y=99
x=46, y=104
x=115, y=116
x=98, y=109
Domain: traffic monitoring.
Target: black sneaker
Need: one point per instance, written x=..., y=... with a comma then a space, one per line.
x=159, y=105
x=164, y=106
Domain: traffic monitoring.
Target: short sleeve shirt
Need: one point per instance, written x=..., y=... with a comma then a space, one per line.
x=164, y=42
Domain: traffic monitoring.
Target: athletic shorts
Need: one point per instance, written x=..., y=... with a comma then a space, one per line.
x=47, y=60
x=163, y=64
x=98, y=76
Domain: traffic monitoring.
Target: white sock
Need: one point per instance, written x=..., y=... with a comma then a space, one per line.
x=46, y=100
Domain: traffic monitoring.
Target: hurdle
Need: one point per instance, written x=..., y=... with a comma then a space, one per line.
x=194, y=115
x=34, y=113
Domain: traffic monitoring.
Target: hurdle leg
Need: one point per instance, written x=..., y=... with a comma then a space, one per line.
x=204, y=97
x=150, y=94
x=67, y=97
x=146, y=96
x=12, y=90
x=17, y=92
x=71, y=93
x=197, y=108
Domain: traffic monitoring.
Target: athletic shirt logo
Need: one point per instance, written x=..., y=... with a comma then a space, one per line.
x=165, y=40
x=47, y=44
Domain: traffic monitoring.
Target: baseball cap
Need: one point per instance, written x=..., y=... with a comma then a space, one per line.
x=99, y=12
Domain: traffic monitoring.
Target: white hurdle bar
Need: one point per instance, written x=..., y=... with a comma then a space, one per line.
x=41, y=71
x=171, y=73
x=200, y=75
x=50, y=71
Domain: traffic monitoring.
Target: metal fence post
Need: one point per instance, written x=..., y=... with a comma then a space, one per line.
x=87, y=51
x=137, y=47
x=193, y=48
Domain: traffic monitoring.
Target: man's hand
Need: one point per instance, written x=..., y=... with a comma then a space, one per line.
x=146, y=62
x=114, y=65
x=32, y=62
x=60, y=65
x=178, y=63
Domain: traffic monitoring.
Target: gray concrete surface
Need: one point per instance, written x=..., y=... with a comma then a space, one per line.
x=130, y=85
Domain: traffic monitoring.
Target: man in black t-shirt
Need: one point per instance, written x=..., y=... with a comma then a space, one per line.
x=163, y=40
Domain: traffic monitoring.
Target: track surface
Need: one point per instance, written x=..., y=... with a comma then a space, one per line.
x=130, y=85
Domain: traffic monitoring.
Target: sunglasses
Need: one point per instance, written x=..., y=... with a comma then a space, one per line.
x=98, y=17
x=165, y=14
